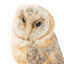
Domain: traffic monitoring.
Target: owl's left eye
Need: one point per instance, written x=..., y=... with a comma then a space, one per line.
x=38, y=24
x=23, y=20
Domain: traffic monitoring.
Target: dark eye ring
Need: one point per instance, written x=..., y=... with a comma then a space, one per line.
x=38, y=24
x=23, y=20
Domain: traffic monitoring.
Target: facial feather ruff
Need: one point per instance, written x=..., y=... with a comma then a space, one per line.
x=33, y=38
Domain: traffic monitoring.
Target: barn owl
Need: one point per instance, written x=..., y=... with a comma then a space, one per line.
x=33, y=38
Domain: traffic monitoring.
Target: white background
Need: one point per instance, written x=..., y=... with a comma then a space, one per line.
x=7, y=12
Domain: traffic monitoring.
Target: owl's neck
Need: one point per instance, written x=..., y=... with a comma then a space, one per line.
x=43, y=42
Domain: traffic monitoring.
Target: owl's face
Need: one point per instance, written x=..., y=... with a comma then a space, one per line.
x=31, y=23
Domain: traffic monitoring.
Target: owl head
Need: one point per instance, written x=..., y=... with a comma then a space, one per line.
x=32, y=23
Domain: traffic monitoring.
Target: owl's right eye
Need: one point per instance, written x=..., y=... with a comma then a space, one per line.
x=23, y=20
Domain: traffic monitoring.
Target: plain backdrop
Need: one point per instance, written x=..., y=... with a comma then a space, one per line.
x=7, y=12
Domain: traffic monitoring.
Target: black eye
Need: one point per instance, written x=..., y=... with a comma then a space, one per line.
x=38, y=24
x=23, y=20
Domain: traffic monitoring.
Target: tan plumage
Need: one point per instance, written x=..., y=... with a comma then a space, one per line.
x=33, y=37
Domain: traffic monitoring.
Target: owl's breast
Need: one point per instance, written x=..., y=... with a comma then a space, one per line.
x=27, y=52
x=36, y=56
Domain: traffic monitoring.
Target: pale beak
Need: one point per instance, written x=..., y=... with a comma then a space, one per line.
x=27, y=37
x=28, y=30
